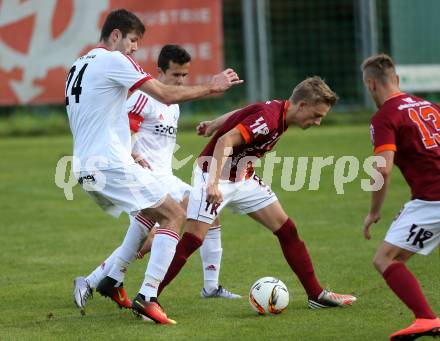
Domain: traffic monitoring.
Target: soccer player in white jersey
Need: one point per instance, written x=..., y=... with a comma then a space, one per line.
x=96, y=90
x=154, y=126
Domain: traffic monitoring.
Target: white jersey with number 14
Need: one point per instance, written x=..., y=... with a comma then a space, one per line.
x=96, y=90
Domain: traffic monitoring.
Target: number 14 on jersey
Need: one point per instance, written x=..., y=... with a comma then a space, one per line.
x=76, y=86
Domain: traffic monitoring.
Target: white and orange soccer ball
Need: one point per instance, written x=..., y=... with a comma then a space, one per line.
x=269, y=295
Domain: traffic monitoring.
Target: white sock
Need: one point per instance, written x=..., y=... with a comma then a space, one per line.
x=126, y=253
x=101, y=271
x=162, y=253
x=211, y=253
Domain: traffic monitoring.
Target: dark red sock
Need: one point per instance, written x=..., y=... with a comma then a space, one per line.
x=298, y=258
x=406, y=287
x=185, y=248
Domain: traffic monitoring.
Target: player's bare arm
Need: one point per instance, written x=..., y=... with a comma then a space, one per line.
x=207, y=128
x=170, y=94
x=378, y=197
x=222, y=149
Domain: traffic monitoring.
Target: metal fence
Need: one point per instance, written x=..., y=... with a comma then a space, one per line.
x=274, y=44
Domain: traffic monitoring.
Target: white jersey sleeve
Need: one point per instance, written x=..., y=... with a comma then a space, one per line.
x=125, y=71
x=137, y=103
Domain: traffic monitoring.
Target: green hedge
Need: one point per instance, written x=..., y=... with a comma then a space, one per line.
x=23, y=123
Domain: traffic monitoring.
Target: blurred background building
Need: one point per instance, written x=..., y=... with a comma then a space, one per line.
x=273, y=44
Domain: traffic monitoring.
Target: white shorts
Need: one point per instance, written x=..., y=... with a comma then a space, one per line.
x=175, y=187
x=244, y=197
x=128, y=189
x=417, y=227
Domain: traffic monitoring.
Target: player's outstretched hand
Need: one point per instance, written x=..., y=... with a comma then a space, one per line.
x=371, y=218
x=205, y=128
x=224, y=80
x=213, y=194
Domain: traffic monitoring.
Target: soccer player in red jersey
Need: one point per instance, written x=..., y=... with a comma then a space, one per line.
x=405, y=131
x=225, y=177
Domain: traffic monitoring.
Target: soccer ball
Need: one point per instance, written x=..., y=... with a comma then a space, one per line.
x=269, y=295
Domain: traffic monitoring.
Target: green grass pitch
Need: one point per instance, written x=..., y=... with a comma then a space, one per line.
x=46, y=241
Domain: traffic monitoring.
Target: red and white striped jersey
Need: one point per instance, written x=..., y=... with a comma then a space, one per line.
x=156, y=127
x=96, y=90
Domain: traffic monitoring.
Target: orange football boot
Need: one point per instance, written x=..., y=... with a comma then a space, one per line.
x=152, y=310
x=120, y=297
x=116, y=294
x=420, y=327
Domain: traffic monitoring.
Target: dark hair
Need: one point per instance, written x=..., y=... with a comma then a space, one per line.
x=174, y=53
x=314, y=90
x=380, y=67
x=124, y=21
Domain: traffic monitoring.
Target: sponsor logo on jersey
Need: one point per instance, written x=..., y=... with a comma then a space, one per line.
x=413, y=105
x=259, y=127
x=165, y=130
x=87, y=179
x=408, y=100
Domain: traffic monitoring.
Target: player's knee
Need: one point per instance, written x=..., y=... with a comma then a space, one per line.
x=172, y=216
x=380, y=263
x=376, y=264
x=176, y=218
x=180, y=217
x=197, y=228
x=178, y=213
x=402, y=257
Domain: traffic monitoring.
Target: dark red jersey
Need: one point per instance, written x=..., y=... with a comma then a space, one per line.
x=410, y=126
x=261, y=125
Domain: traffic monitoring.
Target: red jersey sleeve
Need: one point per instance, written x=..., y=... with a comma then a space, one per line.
x=383, y=134
x=135, y=122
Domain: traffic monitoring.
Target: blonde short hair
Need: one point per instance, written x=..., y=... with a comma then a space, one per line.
x=314, y=90
x=379, y=67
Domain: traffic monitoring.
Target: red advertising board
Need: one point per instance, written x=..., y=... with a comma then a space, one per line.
x=40, y=39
